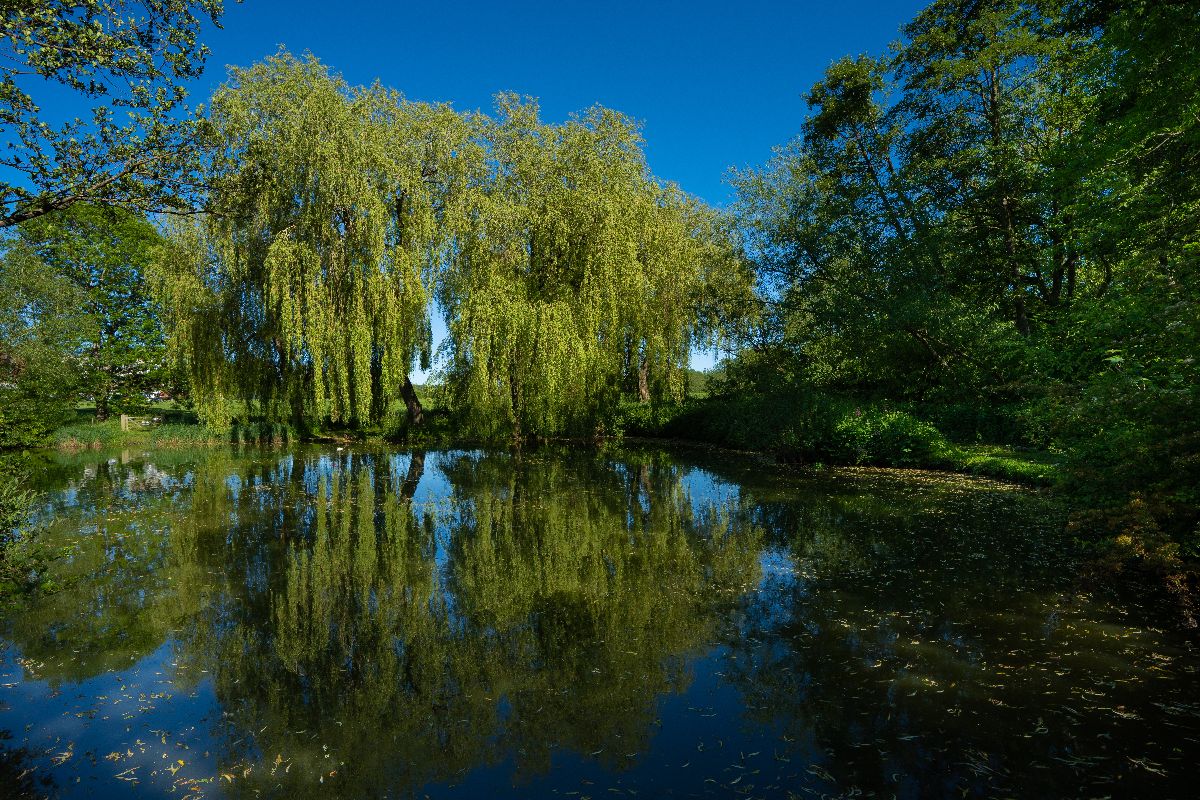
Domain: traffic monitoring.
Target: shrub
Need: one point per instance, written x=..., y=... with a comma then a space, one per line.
x=806, y=427
x=890, y=438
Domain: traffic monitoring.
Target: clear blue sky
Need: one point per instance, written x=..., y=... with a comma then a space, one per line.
x=717, y=84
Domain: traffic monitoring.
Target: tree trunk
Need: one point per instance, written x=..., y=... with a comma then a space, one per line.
x=416, y=468
x=1006, y=213
x=1021, y=317
x=644, y=380
x=416, y=414
x=516, y=395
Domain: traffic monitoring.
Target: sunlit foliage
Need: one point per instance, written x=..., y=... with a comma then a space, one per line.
x=305, y=292
x=132, y=61
x=581, y=276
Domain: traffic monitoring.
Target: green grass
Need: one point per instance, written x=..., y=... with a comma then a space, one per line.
x=101, y=435
x=997, y=461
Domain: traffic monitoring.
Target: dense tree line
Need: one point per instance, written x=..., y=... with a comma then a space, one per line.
x=1003, y=213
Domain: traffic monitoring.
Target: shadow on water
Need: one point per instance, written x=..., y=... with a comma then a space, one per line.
x=313, y=623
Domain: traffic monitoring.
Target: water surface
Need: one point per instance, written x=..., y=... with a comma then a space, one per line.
x=638, y=623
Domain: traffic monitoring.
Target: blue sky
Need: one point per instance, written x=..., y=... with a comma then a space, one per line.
x=716, y=84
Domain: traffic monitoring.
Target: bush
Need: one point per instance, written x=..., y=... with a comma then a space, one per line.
x=31, y=408
x=1135, y=537
x=805, y=427
x=979, y=421
x=891, y=438
x=641, y=419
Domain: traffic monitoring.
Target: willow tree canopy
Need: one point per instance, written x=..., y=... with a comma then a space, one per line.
x=578, y=279
x=568, y=275
x=328, y=212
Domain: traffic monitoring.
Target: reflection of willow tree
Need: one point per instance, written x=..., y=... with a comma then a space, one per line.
x=594, y=585
x=909, y=629
x=126, y=582
x=563, y=604
x=344, y=649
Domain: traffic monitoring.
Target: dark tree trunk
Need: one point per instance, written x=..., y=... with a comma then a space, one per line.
x=416, y=468
x=101, y=406
x=416, y=414
x=515, y=391
x=1021, y=317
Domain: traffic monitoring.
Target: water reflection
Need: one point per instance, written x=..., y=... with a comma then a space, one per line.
x=374, y=624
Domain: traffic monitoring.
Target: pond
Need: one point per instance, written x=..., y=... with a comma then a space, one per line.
x=362, y=623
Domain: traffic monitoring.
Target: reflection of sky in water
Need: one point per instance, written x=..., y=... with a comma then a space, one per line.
x=707, y=490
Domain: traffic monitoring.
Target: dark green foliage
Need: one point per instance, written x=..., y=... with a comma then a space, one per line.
x=632, y=418
x=967, y=422
x=41, y=330
x=104, y=256
x=804, y=427
x=995, y=230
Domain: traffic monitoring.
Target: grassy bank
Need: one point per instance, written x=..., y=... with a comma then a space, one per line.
x=820, y=430
x=108, y=434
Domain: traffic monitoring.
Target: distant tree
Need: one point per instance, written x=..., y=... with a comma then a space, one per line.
x=104, y=254
x=131, y=59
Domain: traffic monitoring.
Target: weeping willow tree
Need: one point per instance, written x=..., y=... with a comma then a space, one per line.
x=306, y=293
x=567, y=273
x=578, y=278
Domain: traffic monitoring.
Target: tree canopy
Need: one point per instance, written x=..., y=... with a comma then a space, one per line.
x=305, y=292
x=42, y=329
x=338, y=215
x=131, y=60
x=580, y=275
x=105, y=256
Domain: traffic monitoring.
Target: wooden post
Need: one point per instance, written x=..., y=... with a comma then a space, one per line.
x=124, y=422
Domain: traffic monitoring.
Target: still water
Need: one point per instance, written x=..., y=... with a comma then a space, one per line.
x=311, y=623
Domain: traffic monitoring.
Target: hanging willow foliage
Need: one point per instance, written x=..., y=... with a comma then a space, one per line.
x=568, y=275
x=329, y=212
x=579, y=278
